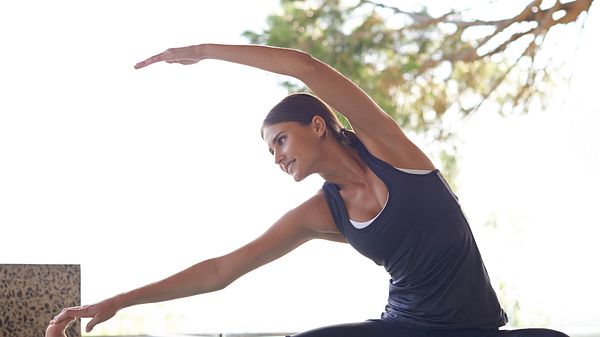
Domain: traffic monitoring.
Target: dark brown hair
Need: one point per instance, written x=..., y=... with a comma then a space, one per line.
x=301, y=108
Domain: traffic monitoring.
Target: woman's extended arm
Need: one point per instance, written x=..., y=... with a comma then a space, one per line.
x=200, y=278
x=374, y=127
x=289, y=232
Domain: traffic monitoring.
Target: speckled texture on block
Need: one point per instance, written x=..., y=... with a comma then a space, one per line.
x=31, y=295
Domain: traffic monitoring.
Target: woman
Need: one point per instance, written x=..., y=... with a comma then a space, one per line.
x=381, y=194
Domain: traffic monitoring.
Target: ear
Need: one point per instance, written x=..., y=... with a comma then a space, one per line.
x=319, y=126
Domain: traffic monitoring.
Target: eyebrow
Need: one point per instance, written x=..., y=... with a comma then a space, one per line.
x=274, y=140
x=276, y=137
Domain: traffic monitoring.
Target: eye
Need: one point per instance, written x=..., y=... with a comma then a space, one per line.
x=281, y=140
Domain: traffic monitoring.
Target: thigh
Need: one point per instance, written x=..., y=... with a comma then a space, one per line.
x=370, y=328
x=381, y=328
x=531, y=333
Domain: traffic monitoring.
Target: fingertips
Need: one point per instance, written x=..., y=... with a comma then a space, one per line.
x=70, y=314
x=91, y=324
x=58, y=318
x=141, y=64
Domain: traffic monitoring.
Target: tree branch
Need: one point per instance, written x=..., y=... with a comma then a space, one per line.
x=501, y=78
x=531, y=13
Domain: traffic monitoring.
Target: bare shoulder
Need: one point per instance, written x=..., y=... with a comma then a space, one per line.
x=317, y=218
x=310, y=220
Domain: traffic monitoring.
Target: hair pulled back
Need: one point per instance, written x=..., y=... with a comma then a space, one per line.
x=301, y=108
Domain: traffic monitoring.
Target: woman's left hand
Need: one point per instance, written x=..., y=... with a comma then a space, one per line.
x=58, y=329
x=183, y=55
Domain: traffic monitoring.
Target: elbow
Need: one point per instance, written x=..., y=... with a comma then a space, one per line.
x=223, y=276
x=220, y=286
x=219, y=279
x=304, y=65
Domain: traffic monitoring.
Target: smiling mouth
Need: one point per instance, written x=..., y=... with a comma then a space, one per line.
x=288, y=167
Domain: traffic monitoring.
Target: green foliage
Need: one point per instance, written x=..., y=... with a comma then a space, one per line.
x=409, y=71
x=424, y=71
x=510, y=304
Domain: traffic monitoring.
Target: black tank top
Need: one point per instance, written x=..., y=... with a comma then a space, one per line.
x=421, y=237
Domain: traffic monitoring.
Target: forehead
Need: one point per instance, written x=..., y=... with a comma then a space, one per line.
x=270, y=132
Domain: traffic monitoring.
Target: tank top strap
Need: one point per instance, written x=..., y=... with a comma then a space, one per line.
x=336, y=205
x=382, y=169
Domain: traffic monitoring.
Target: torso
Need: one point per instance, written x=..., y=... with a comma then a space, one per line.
x=365, y=202
x=424, y=242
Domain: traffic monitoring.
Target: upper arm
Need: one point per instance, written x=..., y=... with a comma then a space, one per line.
x=309, y=221
x=346, y=97
x=373, y=126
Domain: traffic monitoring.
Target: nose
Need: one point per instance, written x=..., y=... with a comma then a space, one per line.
x=278, y=157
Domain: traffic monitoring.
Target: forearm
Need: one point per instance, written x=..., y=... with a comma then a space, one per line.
x=284, y=61
x=327, y=83
x=200, y=278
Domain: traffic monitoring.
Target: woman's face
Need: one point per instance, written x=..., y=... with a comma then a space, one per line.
x=294, y=147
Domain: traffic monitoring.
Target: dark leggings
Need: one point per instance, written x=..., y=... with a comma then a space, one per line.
x=381, y=328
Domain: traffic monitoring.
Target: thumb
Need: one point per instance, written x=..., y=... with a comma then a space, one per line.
x=91, y=324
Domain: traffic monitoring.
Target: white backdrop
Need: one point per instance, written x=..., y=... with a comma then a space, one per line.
x=138, y=174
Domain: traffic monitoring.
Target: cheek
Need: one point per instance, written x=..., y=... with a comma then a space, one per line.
x=301, y=150
x=303, y=146
x=308, y=156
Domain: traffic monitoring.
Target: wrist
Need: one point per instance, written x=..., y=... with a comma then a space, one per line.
x=201, y=51
x=122, y=301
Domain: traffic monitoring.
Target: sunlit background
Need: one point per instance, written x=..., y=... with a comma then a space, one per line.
x=138, y=174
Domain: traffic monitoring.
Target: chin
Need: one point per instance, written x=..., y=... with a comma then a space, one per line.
x=299, y=177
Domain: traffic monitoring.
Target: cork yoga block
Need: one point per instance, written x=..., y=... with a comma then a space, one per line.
x=32, y=294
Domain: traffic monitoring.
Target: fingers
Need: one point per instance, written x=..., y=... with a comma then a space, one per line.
x=91, y=324
x=184, y=56
x=57, y=330
x=99, y=312
x=65, y=323
x=62, y=325
x=71, y=313
x=164, y=56
x=68, y=315
x=147, y=62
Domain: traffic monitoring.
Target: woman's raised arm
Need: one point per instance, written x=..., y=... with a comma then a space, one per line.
x=367, y=119
x=379, y=132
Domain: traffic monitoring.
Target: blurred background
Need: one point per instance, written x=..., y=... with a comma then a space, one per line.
x=137, y=174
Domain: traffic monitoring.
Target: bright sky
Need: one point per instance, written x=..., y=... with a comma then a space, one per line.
x=139, y=174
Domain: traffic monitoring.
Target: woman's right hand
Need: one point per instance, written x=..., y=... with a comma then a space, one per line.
x=99, y=313
x=184, y=55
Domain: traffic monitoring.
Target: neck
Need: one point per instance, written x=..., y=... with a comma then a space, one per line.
x=341, y=165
